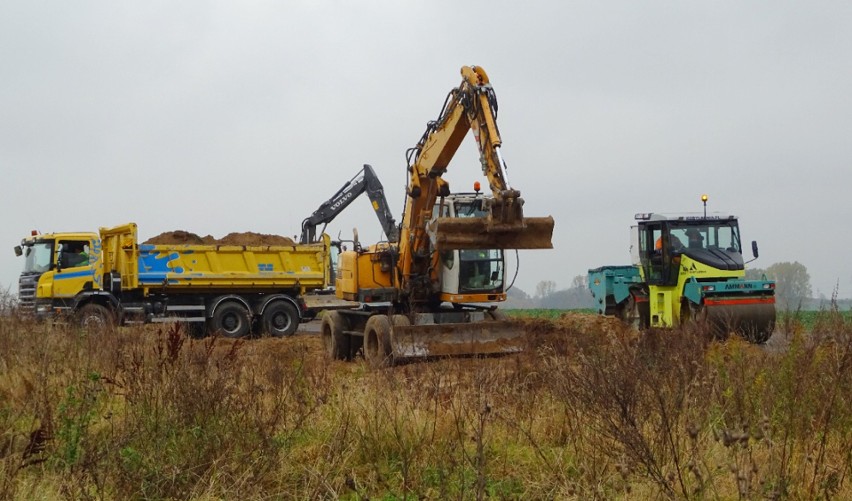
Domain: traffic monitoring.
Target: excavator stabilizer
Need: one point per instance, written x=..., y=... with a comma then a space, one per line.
x=487, y=233
x=751, y=318
x=456, y=339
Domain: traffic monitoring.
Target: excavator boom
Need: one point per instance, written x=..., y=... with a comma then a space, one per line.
x=472, y=106
x=365, y=181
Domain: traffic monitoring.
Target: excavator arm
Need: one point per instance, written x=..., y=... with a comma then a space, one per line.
x=472, y=106
x=365, y=181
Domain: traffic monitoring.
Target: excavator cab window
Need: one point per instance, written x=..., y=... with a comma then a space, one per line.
x=480, y=270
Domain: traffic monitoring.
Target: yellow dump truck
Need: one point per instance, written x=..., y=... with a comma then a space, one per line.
x=109, y=278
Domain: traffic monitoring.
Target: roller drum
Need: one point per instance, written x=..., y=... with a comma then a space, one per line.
x=752, y=319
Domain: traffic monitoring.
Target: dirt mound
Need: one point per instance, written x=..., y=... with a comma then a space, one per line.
x=181, y=237
x=572, y=331
x=251, y=238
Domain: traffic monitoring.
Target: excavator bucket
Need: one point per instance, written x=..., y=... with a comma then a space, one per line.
x=456, y=339
x=485, y=233
x=500, y=225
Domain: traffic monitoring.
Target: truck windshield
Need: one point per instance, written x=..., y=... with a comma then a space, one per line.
x=38, y=257
x=723, y=235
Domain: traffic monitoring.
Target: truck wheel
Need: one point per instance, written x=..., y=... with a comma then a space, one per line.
x=94, y=318
x=231, y=319
x=337, y=343
x=280, y=319
x=377, y=345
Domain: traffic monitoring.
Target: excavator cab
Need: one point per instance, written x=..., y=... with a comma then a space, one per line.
x=485, y=222
x=475, y=274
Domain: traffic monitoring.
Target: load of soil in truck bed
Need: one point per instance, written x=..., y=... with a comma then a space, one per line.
x=181, y=237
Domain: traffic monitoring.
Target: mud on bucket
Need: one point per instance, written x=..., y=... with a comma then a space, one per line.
x=449, y=233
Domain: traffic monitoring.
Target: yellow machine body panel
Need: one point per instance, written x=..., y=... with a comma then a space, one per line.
x=666, y=301
x=198, y=267
x=365, y=275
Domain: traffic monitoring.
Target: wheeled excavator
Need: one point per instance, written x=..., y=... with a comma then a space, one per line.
x=434, y=292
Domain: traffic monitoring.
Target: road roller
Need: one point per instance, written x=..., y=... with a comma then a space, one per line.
x=687, y=268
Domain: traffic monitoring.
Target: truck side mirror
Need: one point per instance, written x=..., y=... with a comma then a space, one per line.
x=754, y=248
x=19, y=251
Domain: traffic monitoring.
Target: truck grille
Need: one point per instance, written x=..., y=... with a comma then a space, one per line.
x=26, y=293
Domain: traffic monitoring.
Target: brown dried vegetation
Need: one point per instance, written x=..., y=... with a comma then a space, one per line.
x=591, y=410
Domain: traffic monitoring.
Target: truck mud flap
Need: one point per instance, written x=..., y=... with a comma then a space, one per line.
x=446, y=340
x=751, y=318
x=486, y=233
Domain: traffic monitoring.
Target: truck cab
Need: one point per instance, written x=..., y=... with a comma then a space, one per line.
x=58, y=267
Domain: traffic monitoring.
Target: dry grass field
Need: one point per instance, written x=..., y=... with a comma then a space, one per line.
x=590, y=410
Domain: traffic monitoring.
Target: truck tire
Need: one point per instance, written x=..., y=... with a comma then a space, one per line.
x=337, y=343
x=95, y=318
x=280, y=319
x=377, y=342
x=231, y=319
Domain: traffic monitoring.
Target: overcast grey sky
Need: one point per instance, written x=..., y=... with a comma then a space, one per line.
x=215, y=117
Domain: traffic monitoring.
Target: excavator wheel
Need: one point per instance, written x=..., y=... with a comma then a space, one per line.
x=400, y=320
x=336, y=342
x=377, y=341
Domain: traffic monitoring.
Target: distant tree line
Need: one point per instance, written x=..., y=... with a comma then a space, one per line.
x=546, y=296
x=792, y=284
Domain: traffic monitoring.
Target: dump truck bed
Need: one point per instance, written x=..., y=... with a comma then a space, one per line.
x=207, y=267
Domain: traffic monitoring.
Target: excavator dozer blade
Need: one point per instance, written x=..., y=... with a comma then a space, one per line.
x=456, y=339
x=486, y=233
